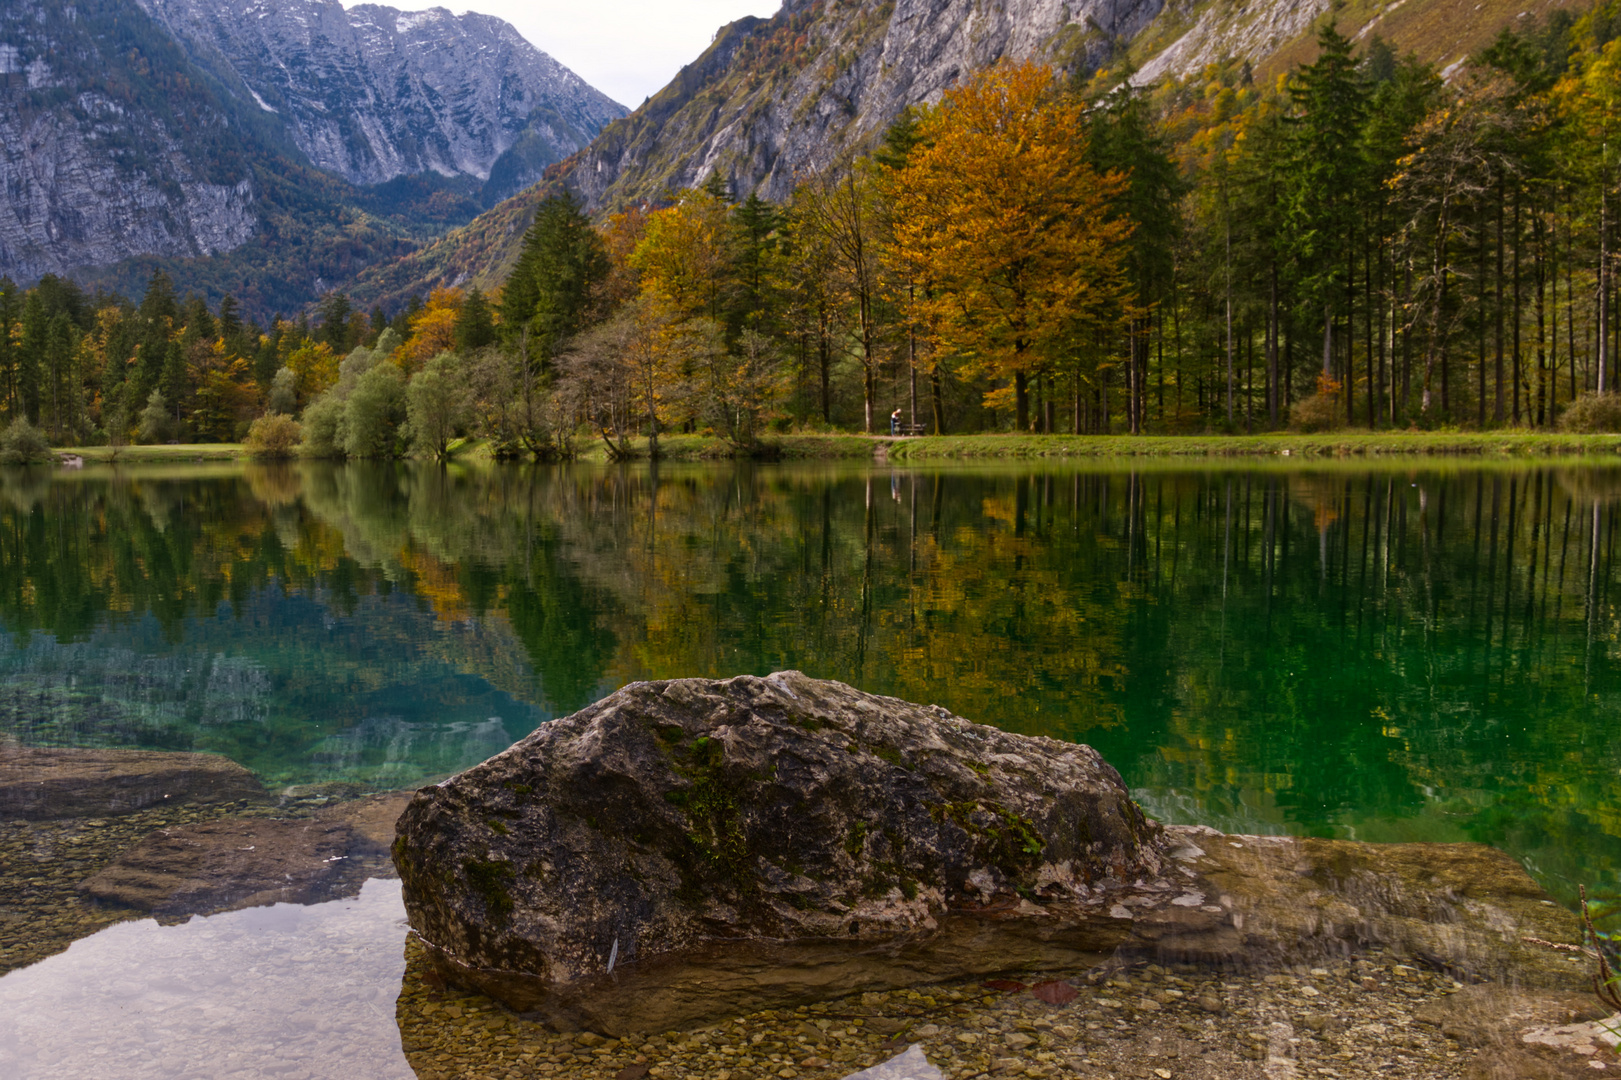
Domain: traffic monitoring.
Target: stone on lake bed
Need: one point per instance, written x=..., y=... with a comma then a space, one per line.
x=220, y=865
x=692, y=849
x=41, y=783
x=244, y=862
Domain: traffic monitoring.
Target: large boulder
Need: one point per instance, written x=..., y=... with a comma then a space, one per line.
x=49, y=782
x=690, y=849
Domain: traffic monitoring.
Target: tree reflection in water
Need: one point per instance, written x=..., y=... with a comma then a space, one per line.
x=1408, y=652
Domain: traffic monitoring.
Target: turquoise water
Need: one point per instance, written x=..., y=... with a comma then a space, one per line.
x=1418, y=651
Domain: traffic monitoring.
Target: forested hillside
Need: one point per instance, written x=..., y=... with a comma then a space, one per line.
x=816, y=84
x=187, y=141
x=1358, y=242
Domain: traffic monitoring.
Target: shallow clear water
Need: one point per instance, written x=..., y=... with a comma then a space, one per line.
x=1398, y=652
x=267, y=992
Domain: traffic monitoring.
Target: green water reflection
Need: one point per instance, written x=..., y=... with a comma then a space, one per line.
x=1399, y=653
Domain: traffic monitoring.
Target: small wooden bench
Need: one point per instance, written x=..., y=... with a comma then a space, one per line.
x=911, y=429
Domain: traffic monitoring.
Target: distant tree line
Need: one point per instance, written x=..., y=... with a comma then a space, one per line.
x=1363, y=242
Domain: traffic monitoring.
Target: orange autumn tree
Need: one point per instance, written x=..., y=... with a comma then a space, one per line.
x=1007, y=227
x=433, y=331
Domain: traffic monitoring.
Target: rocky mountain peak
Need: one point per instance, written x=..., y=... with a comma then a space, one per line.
x=774, y=97
x=372, y=93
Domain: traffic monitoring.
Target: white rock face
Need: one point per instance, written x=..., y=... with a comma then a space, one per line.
x=164, y=127
x=372, y=93
x=1241, y=32
x=68, y=203
x=871, y=61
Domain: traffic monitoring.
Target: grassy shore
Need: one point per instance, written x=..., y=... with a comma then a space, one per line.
x=777, y=448
x=146, y=455
x=1520, y=444
x=830, y=447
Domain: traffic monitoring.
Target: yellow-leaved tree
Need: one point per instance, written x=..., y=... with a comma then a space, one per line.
x=1007, y=227
x=683, y=252
x=433, y=331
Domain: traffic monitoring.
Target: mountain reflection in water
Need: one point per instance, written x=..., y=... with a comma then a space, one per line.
x=265, y=992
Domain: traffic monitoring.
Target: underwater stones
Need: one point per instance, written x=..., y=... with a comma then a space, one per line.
x=219, y=865
x=370, y=818
x=690, y=849
x=1466, y=908
x=248, y=861
x=43, y=783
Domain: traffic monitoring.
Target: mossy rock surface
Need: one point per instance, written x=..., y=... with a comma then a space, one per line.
x=779, y=838
x=688, y=850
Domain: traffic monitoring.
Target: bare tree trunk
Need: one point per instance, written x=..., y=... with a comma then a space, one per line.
x=911, y=360
x=937, y=394
x=1075, y=385
x=1133, y=389
x=1517, y=372
x=1603, y=284
x=1328, y=342
x=1229, y=317
x=1272, y=387
x=1498, y=413
x=1435, y=348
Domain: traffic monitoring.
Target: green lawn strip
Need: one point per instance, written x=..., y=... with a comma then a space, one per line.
x=1335, y=444
x=147, y=454
x=710, y=448
x=991, y=447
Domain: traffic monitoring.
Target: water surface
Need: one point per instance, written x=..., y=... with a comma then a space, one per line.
x=1425, y=651
x=262, y=993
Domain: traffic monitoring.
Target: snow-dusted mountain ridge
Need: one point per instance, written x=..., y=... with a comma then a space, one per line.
x=372, y=93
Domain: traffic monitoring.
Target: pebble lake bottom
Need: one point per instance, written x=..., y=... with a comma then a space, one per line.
x=339, y=991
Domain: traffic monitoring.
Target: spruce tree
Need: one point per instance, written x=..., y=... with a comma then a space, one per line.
x=10, y=312
x=157, y=316
x=1328, y=169
x=475, y=326
x=335, y=309
x=551, y=287
x=31, y=355
x=757, y=235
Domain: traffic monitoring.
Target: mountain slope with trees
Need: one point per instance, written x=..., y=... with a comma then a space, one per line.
x=125, y=143
x=772, y=100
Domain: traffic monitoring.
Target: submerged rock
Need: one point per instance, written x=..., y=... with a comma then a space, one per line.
x=1259, y=901
x=40, y=783
x=688, y=850
x=218, y=865
x=242, y=862
x=691, y=849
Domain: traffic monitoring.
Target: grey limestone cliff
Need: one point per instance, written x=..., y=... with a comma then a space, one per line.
x=774, y=98
x=372, y=93
x=180, y=128
x=96, y=164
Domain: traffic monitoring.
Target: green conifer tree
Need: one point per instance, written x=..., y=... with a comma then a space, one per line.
x=551, y=287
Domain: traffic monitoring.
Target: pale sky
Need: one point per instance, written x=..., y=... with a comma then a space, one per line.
x=628, y=49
